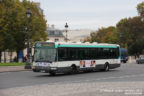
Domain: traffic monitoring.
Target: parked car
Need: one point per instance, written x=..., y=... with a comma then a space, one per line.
x=140, y=60
x=124, y=55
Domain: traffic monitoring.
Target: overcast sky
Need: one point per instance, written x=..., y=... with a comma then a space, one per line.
x=87, y=14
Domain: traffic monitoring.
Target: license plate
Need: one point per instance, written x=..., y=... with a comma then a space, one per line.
x=43, y=64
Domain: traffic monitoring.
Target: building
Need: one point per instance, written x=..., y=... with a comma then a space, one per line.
x=55, y=34
x=78, y=35
x=38, y=6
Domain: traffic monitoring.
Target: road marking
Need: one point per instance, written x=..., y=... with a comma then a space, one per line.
x=5, y=73
x=120, y=77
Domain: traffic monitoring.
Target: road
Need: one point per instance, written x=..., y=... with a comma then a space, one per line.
x=126, y=80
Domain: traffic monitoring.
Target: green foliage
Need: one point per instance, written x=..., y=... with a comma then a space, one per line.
x=104, y=35
x=137, y=47
x=131, y=33
x=12, y=64
x=13, y=24
x=140, y=8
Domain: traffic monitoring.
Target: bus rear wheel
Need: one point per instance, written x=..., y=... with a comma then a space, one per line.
x=106, y=67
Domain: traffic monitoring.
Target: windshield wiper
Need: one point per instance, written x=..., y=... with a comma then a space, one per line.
x=48, y=61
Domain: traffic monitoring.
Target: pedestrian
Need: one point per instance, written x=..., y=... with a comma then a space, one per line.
x=25, y=58
x=15, y=59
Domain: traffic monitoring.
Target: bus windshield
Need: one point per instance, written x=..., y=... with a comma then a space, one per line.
x=44, y=54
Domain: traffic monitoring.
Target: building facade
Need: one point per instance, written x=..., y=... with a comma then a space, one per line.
x=55, y=35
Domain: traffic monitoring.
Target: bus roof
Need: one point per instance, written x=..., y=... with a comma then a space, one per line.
x=79, y=44
x=87, y=44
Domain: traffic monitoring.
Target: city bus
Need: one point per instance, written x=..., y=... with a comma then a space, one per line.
x=61, y=57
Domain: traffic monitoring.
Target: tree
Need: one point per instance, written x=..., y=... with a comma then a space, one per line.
x=104, y=35
x=87, y=39
x=137, y=47
x=110, y=35
x=6, y=41
x=140, y=9
x=13, y=22
x=131, y=31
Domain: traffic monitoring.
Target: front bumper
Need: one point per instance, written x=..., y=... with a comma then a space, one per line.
x=43, y=69
x=51, y=69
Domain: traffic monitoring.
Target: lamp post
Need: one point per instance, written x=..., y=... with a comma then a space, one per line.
x=66, y=26
x=28, y=66
x=141, y=13
x=0, y=50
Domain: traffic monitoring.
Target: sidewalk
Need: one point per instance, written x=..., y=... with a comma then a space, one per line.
x=12, y=69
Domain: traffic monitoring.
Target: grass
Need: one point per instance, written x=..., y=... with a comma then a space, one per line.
x=12, y=64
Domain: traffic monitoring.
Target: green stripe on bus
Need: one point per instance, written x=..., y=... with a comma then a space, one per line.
x=86, y=46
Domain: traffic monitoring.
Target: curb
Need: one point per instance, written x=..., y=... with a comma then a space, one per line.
x=13, y=69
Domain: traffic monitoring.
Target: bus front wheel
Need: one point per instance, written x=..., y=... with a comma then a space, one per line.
x=74, y=69
x=52, y=73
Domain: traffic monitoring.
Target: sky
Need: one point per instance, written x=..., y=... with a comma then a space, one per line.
x=87, y=14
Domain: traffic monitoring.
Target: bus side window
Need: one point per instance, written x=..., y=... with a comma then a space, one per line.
x=118, y=52
x=112, y=53
x=92, y=53
x=62, y=54
x=72, y=54
x=86, y=53
x=100, y=53
x=105, y=53
x=96, y=53
x=81, y=53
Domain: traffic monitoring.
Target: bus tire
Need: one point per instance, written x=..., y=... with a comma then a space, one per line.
x=74, y=69
x=52, y=73
x=34, y=70
x=106, y=67
x=124, y=61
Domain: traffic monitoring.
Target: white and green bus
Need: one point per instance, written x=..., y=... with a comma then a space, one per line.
x=61, y=57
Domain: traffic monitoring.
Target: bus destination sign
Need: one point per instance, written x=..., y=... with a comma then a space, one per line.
x=44, y=45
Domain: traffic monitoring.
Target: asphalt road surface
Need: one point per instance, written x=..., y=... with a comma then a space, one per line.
x=127, y=80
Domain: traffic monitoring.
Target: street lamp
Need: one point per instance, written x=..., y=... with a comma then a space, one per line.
x=0, y=50
x=66, y=26
x=28, y=66
x=141, y=11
